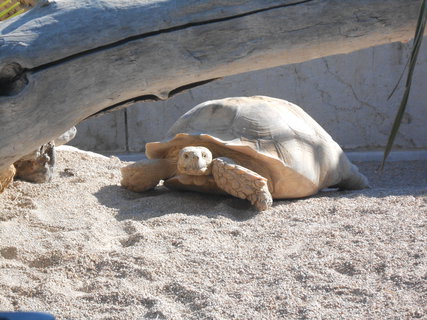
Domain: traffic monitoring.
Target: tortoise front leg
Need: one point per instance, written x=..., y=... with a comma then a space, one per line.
x=242, y=183
x=146, y=174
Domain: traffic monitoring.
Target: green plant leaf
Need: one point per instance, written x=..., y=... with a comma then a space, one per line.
x=7, y=10
x=419, y=32
x=4, y=3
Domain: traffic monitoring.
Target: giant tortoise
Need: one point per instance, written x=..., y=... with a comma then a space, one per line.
x=255, y=148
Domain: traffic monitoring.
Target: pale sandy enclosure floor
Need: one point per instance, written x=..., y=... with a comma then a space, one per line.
x=81, y=247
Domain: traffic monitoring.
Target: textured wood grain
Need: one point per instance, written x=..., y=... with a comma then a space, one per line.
x=66, y=60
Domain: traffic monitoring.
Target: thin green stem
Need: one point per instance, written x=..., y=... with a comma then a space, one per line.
x=419, y=32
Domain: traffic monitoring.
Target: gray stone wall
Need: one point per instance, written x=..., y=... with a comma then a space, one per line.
x=347, y=94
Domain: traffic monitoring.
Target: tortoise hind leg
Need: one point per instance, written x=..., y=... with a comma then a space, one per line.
x=354, y=180
x=242, y=183
x=146, y=174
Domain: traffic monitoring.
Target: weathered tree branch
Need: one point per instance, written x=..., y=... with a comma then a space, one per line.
x=63, y=62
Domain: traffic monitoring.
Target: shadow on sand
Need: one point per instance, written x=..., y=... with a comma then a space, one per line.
x=161, y=201
x=400, y=179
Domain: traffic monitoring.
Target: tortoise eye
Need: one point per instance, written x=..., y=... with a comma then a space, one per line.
x=185, y=156
x=204, y=155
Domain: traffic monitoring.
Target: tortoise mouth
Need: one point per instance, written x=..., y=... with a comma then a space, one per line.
x=196, y=171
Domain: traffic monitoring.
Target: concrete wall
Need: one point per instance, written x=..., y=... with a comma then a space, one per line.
x=346, y=94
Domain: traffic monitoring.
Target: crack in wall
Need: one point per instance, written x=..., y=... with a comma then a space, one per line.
x=375, y=110
x=350, y=86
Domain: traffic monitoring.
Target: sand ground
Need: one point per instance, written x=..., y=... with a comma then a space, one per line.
x=82, y=247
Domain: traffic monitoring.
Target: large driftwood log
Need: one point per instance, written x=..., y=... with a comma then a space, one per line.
x=64, y=61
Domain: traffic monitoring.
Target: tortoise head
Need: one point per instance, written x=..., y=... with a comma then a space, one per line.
x=194, y=161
